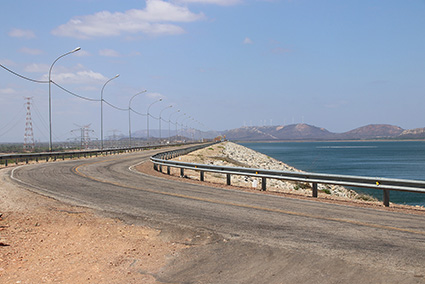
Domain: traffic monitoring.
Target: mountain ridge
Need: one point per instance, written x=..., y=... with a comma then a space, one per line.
x=307, y=132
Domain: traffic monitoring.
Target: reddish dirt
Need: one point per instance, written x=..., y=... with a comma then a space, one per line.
x=45, y=241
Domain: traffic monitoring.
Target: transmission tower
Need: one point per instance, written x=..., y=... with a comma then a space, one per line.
x=85, y=135
x=29, y=143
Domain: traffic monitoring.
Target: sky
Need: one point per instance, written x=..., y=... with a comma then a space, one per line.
x=223, y=63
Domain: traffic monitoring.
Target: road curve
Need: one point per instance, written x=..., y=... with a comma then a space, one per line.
x=245, y=237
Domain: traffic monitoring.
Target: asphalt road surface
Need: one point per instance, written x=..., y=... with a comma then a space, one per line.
x=242, y=237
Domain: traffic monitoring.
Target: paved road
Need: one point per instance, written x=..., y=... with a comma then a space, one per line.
x=241, y=237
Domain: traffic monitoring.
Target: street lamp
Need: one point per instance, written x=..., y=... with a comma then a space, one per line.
x=169, y=123
x=50, y=94
x=101, y=109
x=160, y=119
x=148, y=116
x=129, y=116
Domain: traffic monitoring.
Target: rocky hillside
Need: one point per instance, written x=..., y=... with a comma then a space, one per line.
x=288, y=132
x=373, y=131
x=417, y=133
x=309, y=132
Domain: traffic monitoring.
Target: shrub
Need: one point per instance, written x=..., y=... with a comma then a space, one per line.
x=366, y=197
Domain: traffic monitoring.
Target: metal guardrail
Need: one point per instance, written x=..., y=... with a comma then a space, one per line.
x=384, y=184
x=53, y=156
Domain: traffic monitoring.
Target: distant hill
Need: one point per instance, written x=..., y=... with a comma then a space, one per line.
x=249, y=133
x=304, y=131
x=373, y=131
x=418, y=133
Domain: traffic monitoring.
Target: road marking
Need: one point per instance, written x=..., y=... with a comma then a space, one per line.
x=76, y=170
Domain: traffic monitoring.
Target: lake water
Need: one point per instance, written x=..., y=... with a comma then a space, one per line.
x=392, y=159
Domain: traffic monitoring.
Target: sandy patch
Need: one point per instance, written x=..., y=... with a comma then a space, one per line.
x=45, y=241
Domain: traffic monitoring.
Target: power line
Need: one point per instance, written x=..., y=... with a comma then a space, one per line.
x=23, y=77
x=15, y=118
x=115, y=107
x=136, y=112
x=74, y=94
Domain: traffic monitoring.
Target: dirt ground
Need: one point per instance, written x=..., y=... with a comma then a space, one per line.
x=45, y=241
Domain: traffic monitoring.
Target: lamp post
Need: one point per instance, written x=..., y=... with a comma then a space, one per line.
x=50, y=94
x=148, y=116
x=170, y=106
x=101, y=109
x=169, y=123
x=129, y=116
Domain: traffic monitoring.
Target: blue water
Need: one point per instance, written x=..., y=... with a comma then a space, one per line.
x=392, y=159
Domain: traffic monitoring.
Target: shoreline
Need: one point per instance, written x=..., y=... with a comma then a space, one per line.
x=331, y=141
x=232, y=154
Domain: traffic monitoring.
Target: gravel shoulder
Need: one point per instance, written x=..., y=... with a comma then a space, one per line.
x=45, y=241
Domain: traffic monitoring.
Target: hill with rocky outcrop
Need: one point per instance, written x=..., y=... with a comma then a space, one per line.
x=304, y=131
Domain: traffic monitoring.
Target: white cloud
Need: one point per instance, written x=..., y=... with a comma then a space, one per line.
x=77, y=75
x=154, y=96
x=7, y=62
x=151, y=20
x=31, y=51
x=37, y=68
x=82, y=53
x=7, y=91
x=109, y=53
x=247, y=40
x=28, y=34
x=216, y=2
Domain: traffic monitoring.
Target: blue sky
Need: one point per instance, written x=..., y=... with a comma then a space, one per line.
x=225, y=63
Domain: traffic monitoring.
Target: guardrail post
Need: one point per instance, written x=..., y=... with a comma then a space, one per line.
x=5, y=163
x=155, y=167
x=314, y=189
x=47, y=158
x=386, y=198
x=26, y=161
x=263, y=183
x=160, y=168
x=181, y=172
x=168, y=170
x=16, y=161
x=228, y=179
x=201, y=176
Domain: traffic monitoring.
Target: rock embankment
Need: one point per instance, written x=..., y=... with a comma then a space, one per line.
x=231, y=154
